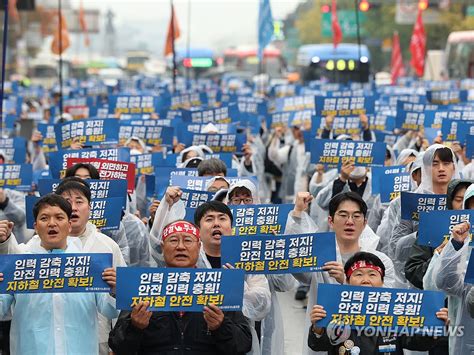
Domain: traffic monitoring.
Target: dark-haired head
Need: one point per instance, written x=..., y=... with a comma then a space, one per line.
x=346, y=196
x=52, y=200
x=214, y=206
x=364, y=269
x=212, y=167
x=80, y=187
x=83, y=171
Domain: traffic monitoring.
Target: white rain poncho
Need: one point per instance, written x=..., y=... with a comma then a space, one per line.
x=404, y=233
x=368, y=242
x=249, y=185
x=446, y=272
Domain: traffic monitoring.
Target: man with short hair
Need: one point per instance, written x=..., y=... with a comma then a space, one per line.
x=211, y=332
x=42, y=323
x=347, y=218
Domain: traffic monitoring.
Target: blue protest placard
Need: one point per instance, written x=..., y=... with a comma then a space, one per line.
x=413, y=204
x=225, y=157
x=224, y=114
x=225, y=143
x=180, y=289
x=382, y=122
x=293, y=103
x=162, y=160
x=334, y=153
x=194, y=199
x=54, y=273
x=279, y=254
x=469, y=278
x=389, y=182
x=416, y=116
x=260, y=219
x=58, y=160
x=386, y=308
x=200, y=182
x=435, y=226
x=151, y=135
x=446, y=97
x=47, y=131
x=455, y=130
x=470, y=146
x=14, y=150
x=344, y=106
x=105, y=213
x=16, y=176
x=188, y=100
x=88, y=132
x=143, y=163
x=249, y=104
x=133, y=104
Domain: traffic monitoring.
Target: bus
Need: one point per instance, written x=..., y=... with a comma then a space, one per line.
x=459, y=55
x=136, y=61
x=345, y=63
x=196, y=61
x=244, y=59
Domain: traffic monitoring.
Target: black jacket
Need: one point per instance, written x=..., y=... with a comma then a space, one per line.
x=417, y=264
x=168, y=333
x=391, y=345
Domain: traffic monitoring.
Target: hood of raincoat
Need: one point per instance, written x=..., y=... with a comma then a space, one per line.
x=248, y=185
x=451, y=187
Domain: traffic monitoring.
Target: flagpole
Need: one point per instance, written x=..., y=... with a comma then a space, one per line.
x=4, y=60
x=173, y=48
x=356, y=8
x=60, y=24
x=188, y=44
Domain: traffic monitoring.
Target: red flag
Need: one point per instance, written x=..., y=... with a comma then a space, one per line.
x=83, y=24
x=13, y=10
x=59, y=46
x=173, y=33
x=418, y=46
x=398, y=69
x=336, y=28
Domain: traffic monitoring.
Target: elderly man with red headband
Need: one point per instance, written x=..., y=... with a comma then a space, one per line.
x=366, y=269
x=210, y=332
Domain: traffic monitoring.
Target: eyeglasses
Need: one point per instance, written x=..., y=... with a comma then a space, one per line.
x=187, y=241
x=238, y=201
x=356, y=216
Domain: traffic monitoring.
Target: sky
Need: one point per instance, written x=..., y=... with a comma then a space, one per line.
x=214, y=23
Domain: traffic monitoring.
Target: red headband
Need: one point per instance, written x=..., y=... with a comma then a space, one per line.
x=180, y=227
x=362, y=264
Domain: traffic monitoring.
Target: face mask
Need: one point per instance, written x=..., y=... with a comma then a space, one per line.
x=358, y=173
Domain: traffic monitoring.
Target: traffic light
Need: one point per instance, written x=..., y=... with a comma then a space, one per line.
x=364, y=6
x=422, y=4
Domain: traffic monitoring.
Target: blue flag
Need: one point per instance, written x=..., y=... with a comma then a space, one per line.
x=279, y=254
x=265, y=27
x=55, y=272
x=180, y=289
x=381, y=308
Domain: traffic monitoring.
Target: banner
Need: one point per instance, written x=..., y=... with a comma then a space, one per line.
x=180, y=289
x=105, y=213
x=294, y=103
x=161, y=160
x=49, y=136
x=435, y=227
x=143, y=163
x=280, y=254
x=225, y=143
x=344, y=106
x=110, y=169
x=389, y=182
x=382, y=122
x=16, y=176
x=188, y=100
x=386, y=308
x=334, y=153
x=260, y=219
x=54, y=273
x=87, y=132
x=413, y=204
x=98, y=188
x=58, y=160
